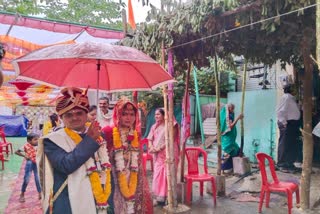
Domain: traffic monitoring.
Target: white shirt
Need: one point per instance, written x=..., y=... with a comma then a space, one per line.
x=105, y=119
x=287, y=109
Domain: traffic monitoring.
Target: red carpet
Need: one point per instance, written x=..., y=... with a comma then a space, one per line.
x=31, y=205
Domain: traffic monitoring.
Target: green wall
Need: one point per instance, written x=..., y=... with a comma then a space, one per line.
x=259, y=115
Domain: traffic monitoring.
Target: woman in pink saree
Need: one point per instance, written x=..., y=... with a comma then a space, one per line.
x=130, y=188
x=157, y=146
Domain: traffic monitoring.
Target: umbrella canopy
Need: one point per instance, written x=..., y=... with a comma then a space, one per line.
x=100, y=66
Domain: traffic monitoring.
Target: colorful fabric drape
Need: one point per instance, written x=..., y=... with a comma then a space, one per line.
x=171, y=72
x=186, y=118
x=17, y=47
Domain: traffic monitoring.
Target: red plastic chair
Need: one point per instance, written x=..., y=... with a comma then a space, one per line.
x=275, y=186
x=146, y=156
x=2, y=158
x=5, y=144
x=194, y=175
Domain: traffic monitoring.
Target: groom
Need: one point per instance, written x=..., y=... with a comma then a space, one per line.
x=61, y=161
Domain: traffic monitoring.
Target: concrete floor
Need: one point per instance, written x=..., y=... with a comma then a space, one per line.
x=202, y=205
x=11, y=171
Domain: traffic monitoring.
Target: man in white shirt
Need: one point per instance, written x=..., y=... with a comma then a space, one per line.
x=104, y=115
x=288, y=114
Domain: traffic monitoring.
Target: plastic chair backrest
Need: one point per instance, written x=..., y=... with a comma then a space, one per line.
x=144, y=145
x=192, y=154
x=2, y=137
x=262, y=157
x=2, y=128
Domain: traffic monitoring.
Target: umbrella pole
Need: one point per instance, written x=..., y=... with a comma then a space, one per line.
x=98, y=78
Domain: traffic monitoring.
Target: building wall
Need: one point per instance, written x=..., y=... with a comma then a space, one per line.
x=259, y=121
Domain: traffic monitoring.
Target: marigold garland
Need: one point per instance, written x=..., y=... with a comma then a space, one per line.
x=128, y=190
x=101, y=195
x=117, y=144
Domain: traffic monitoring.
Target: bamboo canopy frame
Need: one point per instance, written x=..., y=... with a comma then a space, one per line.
x=244, y=78
x=182, y=153
x=216, y=76
x=167, y=140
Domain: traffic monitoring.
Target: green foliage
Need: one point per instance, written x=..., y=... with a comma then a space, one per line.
x=88, y=12
x=26, y=7
x=276, y=39
x=206, y=79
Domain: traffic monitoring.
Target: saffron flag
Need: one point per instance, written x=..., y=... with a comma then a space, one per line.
x=131, y=21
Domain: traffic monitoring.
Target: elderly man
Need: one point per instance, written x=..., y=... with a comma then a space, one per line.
x=64, y=158
x=288, y=114
x=104, y=116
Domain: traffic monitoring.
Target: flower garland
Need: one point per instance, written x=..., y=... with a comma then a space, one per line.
x=128, y=190
x=101, y=195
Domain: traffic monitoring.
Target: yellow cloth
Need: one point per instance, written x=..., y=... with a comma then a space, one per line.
x=47, y=128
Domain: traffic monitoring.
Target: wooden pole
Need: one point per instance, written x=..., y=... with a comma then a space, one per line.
x=171, y=157
x=182, y=158
x=165, y=106
x=217, y=81
x=244, y=78
x=220, y=179
x=307, y=126
x=318, y=33
x=124, y=21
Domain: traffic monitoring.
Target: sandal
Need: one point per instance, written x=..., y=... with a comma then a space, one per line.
x=284, y=170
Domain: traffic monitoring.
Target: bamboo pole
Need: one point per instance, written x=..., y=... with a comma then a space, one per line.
x=217, y=81
x=124, y=21
x=307, y=126
x=220, y=179
x=244, y=78
x=171, y=157
x=318, y=33
x=182, y=158
x=165, y=106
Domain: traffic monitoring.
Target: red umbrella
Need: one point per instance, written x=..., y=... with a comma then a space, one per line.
x=100, y=66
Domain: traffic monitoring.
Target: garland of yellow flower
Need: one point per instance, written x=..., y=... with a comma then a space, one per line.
x=101, y=195
x=127, y=190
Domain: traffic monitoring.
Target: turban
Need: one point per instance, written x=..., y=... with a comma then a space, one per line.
x=72, y=98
